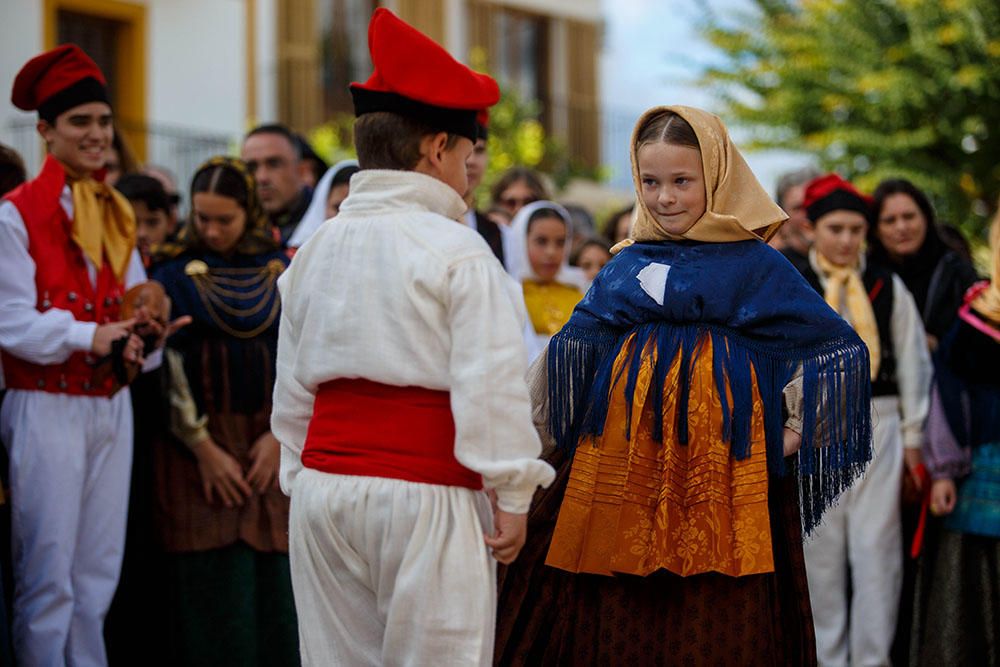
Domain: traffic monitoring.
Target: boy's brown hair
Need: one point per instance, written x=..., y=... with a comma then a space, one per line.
x=386, y=140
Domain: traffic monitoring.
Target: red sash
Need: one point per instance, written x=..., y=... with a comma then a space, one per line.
x=360, y=427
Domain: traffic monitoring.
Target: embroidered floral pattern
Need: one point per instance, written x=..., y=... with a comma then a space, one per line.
x=634, y=506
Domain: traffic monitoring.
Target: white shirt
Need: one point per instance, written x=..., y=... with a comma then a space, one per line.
x=50, y=337
x=399, y=292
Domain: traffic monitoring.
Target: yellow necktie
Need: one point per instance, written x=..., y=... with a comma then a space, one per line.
x=846, y=281
x=103, y=224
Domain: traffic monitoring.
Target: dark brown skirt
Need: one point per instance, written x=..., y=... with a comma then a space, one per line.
x=548, y=616
x=187, y=522
x=956, y=619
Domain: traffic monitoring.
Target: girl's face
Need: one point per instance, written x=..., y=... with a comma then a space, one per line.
x=839, y=235
x=546, y=247
x=592, y=259
x=902, y=227
x=517, y=195
x=219, y=220
x=672, y=184
x=622, y=227
x=338, y=193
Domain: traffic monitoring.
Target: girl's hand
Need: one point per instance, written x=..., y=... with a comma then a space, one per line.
x=943, y=497
x=220, y=474
x=793, y=441
x=265, y=458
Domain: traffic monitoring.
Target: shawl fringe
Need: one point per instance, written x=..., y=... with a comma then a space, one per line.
x=836, y=431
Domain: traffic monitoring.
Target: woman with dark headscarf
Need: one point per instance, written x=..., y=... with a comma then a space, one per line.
x=905, y=238
x=221, y=515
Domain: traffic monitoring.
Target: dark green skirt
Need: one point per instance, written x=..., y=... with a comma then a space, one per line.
x=231, y=606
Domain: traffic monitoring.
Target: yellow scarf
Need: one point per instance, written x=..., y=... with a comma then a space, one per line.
x=103, y=224
x=987, y=304
x=737, y=207
x=846, y=281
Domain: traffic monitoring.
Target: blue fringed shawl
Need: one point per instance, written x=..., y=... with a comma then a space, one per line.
x=759, y=311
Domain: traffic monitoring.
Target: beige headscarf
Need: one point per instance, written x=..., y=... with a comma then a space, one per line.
x=737, y=207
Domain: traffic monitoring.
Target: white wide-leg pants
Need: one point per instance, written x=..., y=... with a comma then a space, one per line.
x=388, y=572
x=858, y=549
x=70, y=461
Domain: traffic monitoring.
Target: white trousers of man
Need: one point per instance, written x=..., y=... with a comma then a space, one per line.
x=857, y=549
x=70, y=461
x=389, y=572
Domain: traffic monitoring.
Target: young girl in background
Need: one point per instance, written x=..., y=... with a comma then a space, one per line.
x=222, y=518
x=698, y=361
x=537, y=256
x=591, y=257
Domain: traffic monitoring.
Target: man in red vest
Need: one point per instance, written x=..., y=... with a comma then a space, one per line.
x=68, y=246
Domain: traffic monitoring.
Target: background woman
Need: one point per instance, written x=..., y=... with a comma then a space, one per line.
x=536, y=252
x=905, y=239
x=516, y=188
x=221, y=514
x=330, y=193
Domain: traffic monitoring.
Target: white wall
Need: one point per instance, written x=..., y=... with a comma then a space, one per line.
x=196, y=64
x=20, y=39
x=267, y=60
x=196, y=75
x=584, y=10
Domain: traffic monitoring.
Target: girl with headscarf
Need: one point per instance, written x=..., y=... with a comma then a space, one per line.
x=536, y=253
x=959, y=583
x=331, y=190
x=698, y=362
x=855, y=560
x=221, y=516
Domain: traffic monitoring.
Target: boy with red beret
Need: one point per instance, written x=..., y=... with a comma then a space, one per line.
x=68, y=247
x=400, y=389
x=858, y=547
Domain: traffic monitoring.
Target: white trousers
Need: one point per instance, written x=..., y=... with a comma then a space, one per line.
x=388, y=572
x=70, y=460
x=854, y=558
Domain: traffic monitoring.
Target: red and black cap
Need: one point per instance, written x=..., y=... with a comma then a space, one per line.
x=483, y=124
x=58, y=80
x=832, y=193
x=416, y=77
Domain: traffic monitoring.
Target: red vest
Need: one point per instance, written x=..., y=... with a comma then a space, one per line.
x=360, y=427
x=61, y=281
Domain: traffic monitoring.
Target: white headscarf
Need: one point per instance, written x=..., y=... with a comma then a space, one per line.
x=316, y=213
x=515, y=246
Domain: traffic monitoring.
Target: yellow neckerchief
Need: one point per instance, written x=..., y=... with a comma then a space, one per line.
x=846, y=281
x=737, y=207
x=987, y=304
x=103, y=224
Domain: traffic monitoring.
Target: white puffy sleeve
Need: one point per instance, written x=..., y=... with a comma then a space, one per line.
x=495, y=435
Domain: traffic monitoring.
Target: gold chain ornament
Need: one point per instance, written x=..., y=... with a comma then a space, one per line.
x=211, y=287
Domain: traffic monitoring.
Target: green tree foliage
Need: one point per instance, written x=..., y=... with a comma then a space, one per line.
x=874, y=89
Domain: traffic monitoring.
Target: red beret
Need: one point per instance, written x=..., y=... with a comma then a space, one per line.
x=832, y=193
x=58, y=80
x=414, y=76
